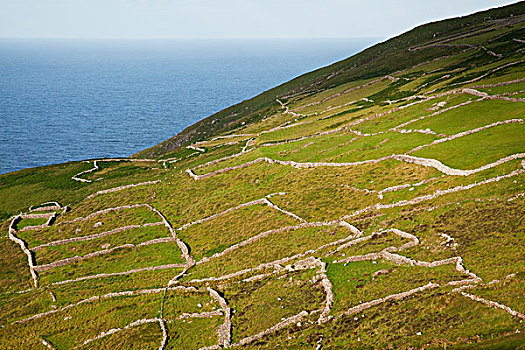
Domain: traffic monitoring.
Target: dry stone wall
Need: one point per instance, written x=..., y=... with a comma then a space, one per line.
x=367, y=305
x=224, y=331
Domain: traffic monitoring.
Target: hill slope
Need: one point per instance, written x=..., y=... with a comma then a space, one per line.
x=375, y=203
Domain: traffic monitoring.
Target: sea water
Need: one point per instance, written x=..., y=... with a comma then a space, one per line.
x=63, y=100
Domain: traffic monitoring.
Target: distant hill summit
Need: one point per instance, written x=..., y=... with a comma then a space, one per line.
x=377, y=203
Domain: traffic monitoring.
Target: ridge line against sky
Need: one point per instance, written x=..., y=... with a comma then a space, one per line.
x=225, y=19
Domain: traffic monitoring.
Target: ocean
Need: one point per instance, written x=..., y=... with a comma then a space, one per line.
x=63, y=100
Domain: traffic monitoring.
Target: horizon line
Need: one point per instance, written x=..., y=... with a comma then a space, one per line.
x=189, y=38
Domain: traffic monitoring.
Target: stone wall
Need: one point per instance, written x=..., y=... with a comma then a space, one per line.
x=224, y=331
x=398, y=296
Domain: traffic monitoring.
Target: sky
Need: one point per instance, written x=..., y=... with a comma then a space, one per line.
x=221, y=19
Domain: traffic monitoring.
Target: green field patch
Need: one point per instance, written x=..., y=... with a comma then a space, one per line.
x=96, y=224
x=273, y=247
x=310, y=149
x=132, y=236
x=509, y=73
x=404, y=115
x=338, y=148
x=329, y=193
x=426, y=81
x=66, y=329
x=481, y=229
x=296, y=131
x=430, y=319
x=483, y=38
x=223, y=141
x=485, y=230
x=14, y=306
x=354, y=95
x=22, y=189
x=375, y=147
x=193, y=333
x=444, y=182
x=184, y=200
x=321, y=95
x=30, y=222
x=211, y=154
x=213, y=236
x=508, y=292
x=116, y=170
x=471, y=116
x=14, y=270
x=375, y=244
x=261, y=305
x=74, y=292
x=497, y=90
x=19, y=190
x=355, y=283
x=178, y=302
x=143, y=337
x=119, y=260
x=475, y=150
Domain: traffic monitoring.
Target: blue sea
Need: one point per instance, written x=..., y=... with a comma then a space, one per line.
x=64, y=100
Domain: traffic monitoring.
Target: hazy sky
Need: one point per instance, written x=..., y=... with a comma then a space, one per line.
x=225, y=18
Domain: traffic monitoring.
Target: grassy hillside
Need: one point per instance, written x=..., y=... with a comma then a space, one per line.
x=393, y=55
x=375, y=203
